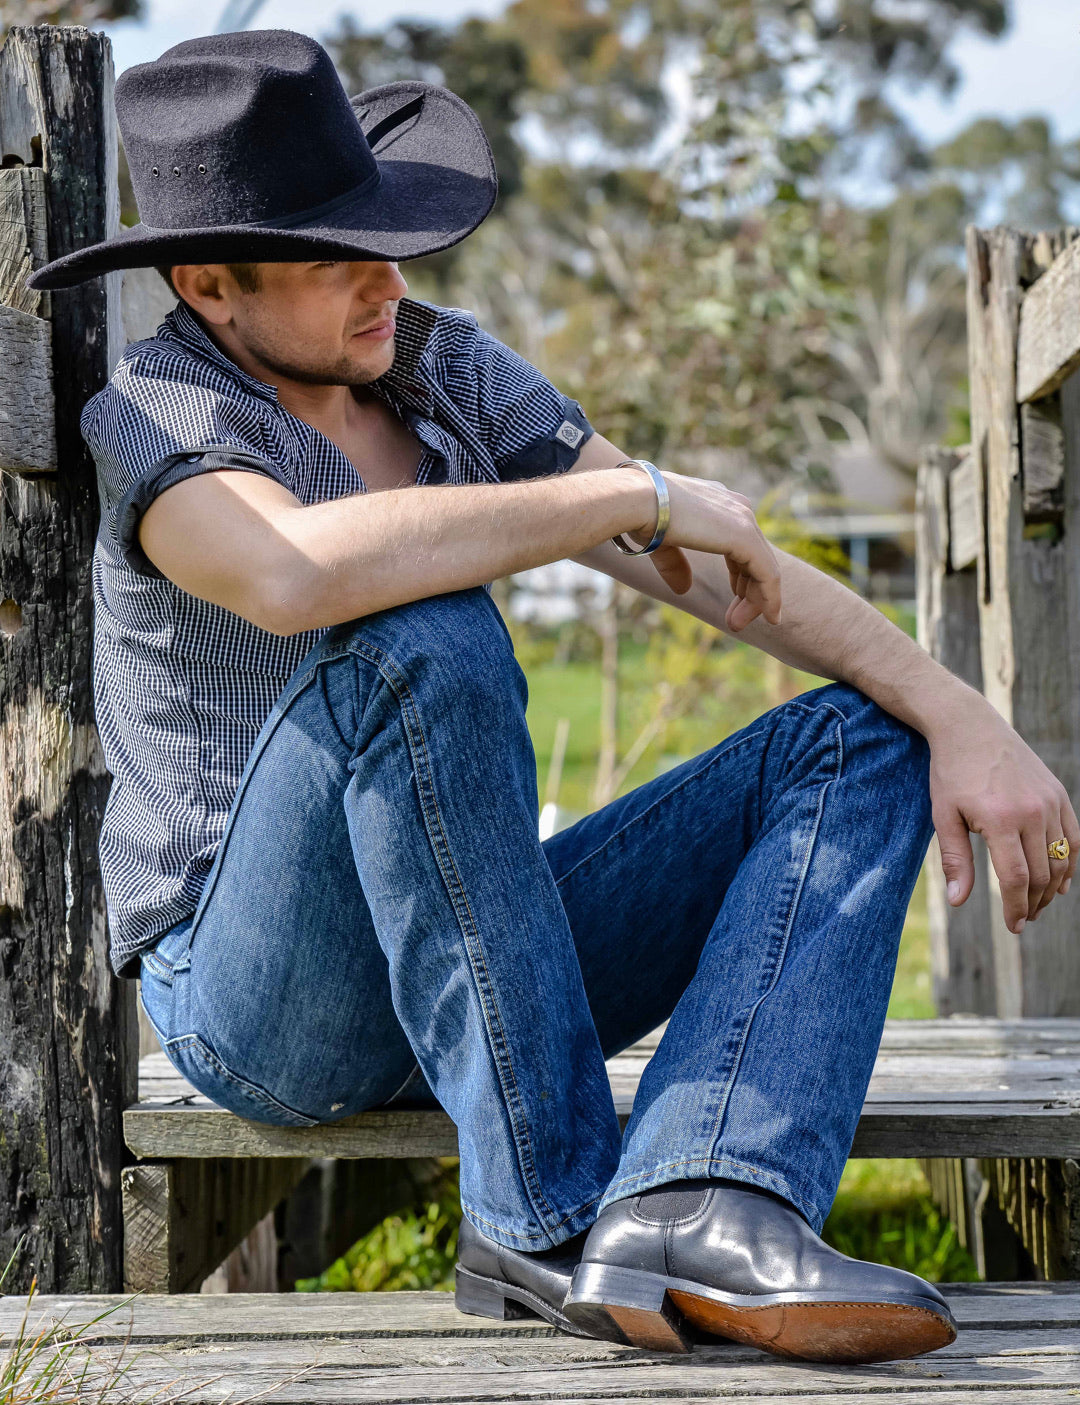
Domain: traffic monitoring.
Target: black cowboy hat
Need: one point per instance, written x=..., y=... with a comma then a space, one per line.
x=245, y=148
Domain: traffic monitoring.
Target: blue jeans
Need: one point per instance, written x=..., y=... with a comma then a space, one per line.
x=382, y=925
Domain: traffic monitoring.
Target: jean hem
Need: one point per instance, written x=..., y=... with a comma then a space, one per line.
x=713, y=1168
x=578, y=1220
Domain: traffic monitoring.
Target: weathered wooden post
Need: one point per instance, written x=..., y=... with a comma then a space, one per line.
x=68, y=1034
x=1028, y=570
x=1012, y=633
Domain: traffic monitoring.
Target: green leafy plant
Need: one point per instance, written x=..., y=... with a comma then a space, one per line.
x=414, y=1249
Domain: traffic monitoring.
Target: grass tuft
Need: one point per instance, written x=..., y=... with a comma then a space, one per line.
x=52, y=1363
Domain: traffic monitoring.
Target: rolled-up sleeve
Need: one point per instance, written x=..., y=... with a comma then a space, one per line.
x=530, y=427
x=172, y=469
x=154, y=426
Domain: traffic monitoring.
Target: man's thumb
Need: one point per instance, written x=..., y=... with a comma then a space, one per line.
x=957, y=861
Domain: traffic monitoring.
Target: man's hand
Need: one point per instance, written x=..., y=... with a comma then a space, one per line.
x=707, y=516
x=984, y=777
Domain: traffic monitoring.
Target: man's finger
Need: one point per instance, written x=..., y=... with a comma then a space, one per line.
x=957, y=862
x=1011, y=866
x=1042, y=883
x=1061, y=870
x=674, y=567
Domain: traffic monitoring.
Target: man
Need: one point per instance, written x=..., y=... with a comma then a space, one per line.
x=320, y=850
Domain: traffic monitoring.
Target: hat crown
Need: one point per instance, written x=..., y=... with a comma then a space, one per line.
x=239, y=128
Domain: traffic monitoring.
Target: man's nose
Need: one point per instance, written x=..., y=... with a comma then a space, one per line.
x=383, y=282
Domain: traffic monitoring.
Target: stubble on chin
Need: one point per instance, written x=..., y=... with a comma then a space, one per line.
x=346, y=370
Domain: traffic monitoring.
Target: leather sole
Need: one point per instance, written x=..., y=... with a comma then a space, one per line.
x=491, y=1297
x=651, y=1310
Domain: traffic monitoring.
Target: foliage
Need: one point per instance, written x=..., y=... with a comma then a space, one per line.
x=411, y=1250
x=696, y=279
x=884, y=1212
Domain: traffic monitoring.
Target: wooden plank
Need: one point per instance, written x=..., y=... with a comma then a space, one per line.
x=27, y=411
x=965, y=512
x=947, y=627
x=182, y=1218
x=1038, y=1366
x=940, y=1087
x=24, y=241
x=1048, y=342
x=1018, y=1308
x=1042, y=461
x=68, y=1032
x=1041, y=1201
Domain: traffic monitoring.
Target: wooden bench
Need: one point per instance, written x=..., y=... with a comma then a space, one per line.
x=962, y=1087
x=1018, y=1344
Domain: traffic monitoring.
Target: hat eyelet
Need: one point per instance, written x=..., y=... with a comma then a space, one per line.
x=154, y=170
x=202, y=169
x=176, y=170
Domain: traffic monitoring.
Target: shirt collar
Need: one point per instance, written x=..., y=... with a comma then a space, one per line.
x=415, y=324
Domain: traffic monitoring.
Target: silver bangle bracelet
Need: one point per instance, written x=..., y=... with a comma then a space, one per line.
x=663, y=511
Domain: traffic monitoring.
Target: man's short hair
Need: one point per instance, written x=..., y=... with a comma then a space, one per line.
x=246, y=275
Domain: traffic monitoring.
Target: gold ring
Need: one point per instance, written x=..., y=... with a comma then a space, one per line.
x=1059, y=849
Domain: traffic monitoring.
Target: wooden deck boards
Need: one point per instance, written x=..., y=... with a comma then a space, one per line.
x=1019, y=1343
x=956, y=1087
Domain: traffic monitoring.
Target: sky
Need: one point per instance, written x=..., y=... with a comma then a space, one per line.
x=1033, y=70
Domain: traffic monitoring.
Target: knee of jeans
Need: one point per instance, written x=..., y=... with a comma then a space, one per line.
x=891, y=742
x=457, y=645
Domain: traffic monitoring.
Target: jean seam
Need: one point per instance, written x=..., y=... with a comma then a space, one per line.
x=725, y=1097
x=456, y=892
x=660, y=800
x=199, y=1045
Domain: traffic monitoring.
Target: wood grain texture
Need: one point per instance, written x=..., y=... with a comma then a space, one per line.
x=68, y=1050
x=947, y=627
x=182, y=1218
x=940, y=1088
x=965, y=512
x=1042, y=461
x=24, y=240
x=27, y=410
x=1048, y=340
x=1030, y=635
x=1018, y=1343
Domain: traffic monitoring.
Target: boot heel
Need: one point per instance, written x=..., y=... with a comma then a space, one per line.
x=625, y=1305
x=483, y=1298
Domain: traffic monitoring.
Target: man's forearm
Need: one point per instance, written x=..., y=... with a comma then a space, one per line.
x=345, y=557
x=830, y=630
x=827, y=629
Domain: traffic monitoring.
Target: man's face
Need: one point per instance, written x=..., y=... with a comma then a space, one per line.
x=317, y=323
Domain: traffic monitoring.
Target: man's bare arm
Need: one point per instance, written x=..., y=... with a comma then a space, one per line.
x=983, y=776
x=245, y=542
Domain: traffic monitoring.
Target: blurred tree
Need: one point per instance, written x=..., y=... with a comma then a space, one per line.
x=1018, y=167
x=88, y=12
x=693, y=279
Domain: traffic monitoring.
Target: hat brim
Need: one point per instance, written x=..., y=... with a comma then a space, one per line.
x=436, y=183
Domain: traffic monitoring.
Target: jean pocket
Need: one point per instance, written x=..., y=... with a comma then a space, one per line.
x=171, y=953
x=192, y=1057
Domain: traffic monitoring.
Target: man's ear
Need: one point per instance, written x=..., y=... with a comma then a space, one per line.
x=205, y=288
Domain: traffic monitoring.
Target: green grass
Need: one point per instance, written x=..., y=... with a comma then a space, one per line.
x=883, y=1210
